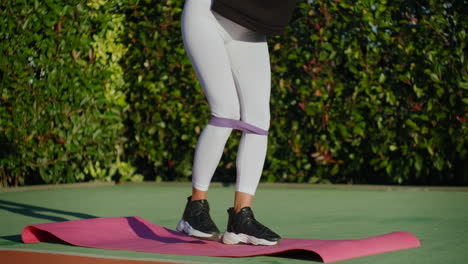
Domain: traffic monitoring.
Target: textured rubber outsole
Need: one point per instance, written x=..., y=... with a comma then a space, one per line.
x=233, y=238
x=184, y=227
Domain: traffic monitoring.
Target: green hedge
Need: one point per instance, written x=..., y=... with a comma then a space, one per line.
x=363, y=92
x=61, y=115
x=375, y=92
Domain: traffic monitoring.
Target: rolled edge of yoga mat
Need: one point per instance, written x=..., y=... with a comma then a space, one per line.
x=32, y=234
x=138, y=234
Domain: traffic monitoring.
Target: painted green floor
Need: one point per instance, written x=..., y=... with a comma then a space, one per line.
x=438, y=218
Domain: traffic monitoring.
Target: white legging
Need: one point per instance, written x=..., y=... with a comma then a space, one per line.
x=232, y=64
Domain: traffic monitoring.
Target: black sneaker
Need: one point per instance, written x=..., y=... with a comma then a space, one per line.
x=197, y=222
x=243, y=228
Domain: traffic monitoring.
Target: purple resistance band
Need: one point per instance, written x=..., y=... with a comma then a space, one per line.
x=237, y=124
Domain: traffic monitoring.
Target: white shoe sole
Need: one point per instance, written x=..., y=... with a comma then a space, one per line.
x=184, y=226
x=233, y=238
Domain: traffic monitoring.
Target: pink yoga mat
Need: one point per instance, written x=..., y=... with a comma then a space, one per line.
x=138, y=234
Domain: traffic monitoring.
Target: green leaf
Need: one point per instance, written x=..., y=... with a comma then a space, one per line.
x=463, y=85
x=412, y=124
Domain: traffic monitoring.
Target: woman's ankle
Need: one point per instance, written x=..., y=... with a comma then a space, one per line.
x=242, y=200
x=198, y=194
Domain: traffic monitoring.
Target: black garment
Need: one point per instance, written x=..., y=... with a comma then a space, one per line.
x=268, y=16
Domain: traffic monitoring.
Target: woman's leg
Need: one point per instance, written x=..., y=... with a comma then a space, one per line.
x=205, y=46
x=251, y=70
x=250, y=64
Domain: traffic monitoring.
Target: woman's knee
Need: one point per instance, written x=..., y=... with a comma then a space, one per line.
x=259, y=117
x=226, y=109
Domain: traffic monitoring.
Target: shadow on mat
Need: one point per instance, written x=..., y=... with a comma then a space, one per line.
x=40, y=212
x=300, y=255
x=144, y=232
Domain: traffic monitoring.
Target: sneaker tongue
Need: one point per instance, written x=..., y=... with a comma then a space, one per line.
x=247, y=211
x=202, y=204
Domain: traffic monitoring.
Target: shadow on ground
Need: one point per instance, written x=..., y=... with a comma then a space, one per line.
x=40, y=212
x=36, y=212
x=300, y=255
x=10, y=240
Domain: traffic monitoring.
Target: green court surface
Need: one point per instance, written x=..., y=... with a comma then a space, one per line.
x=438, y=217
